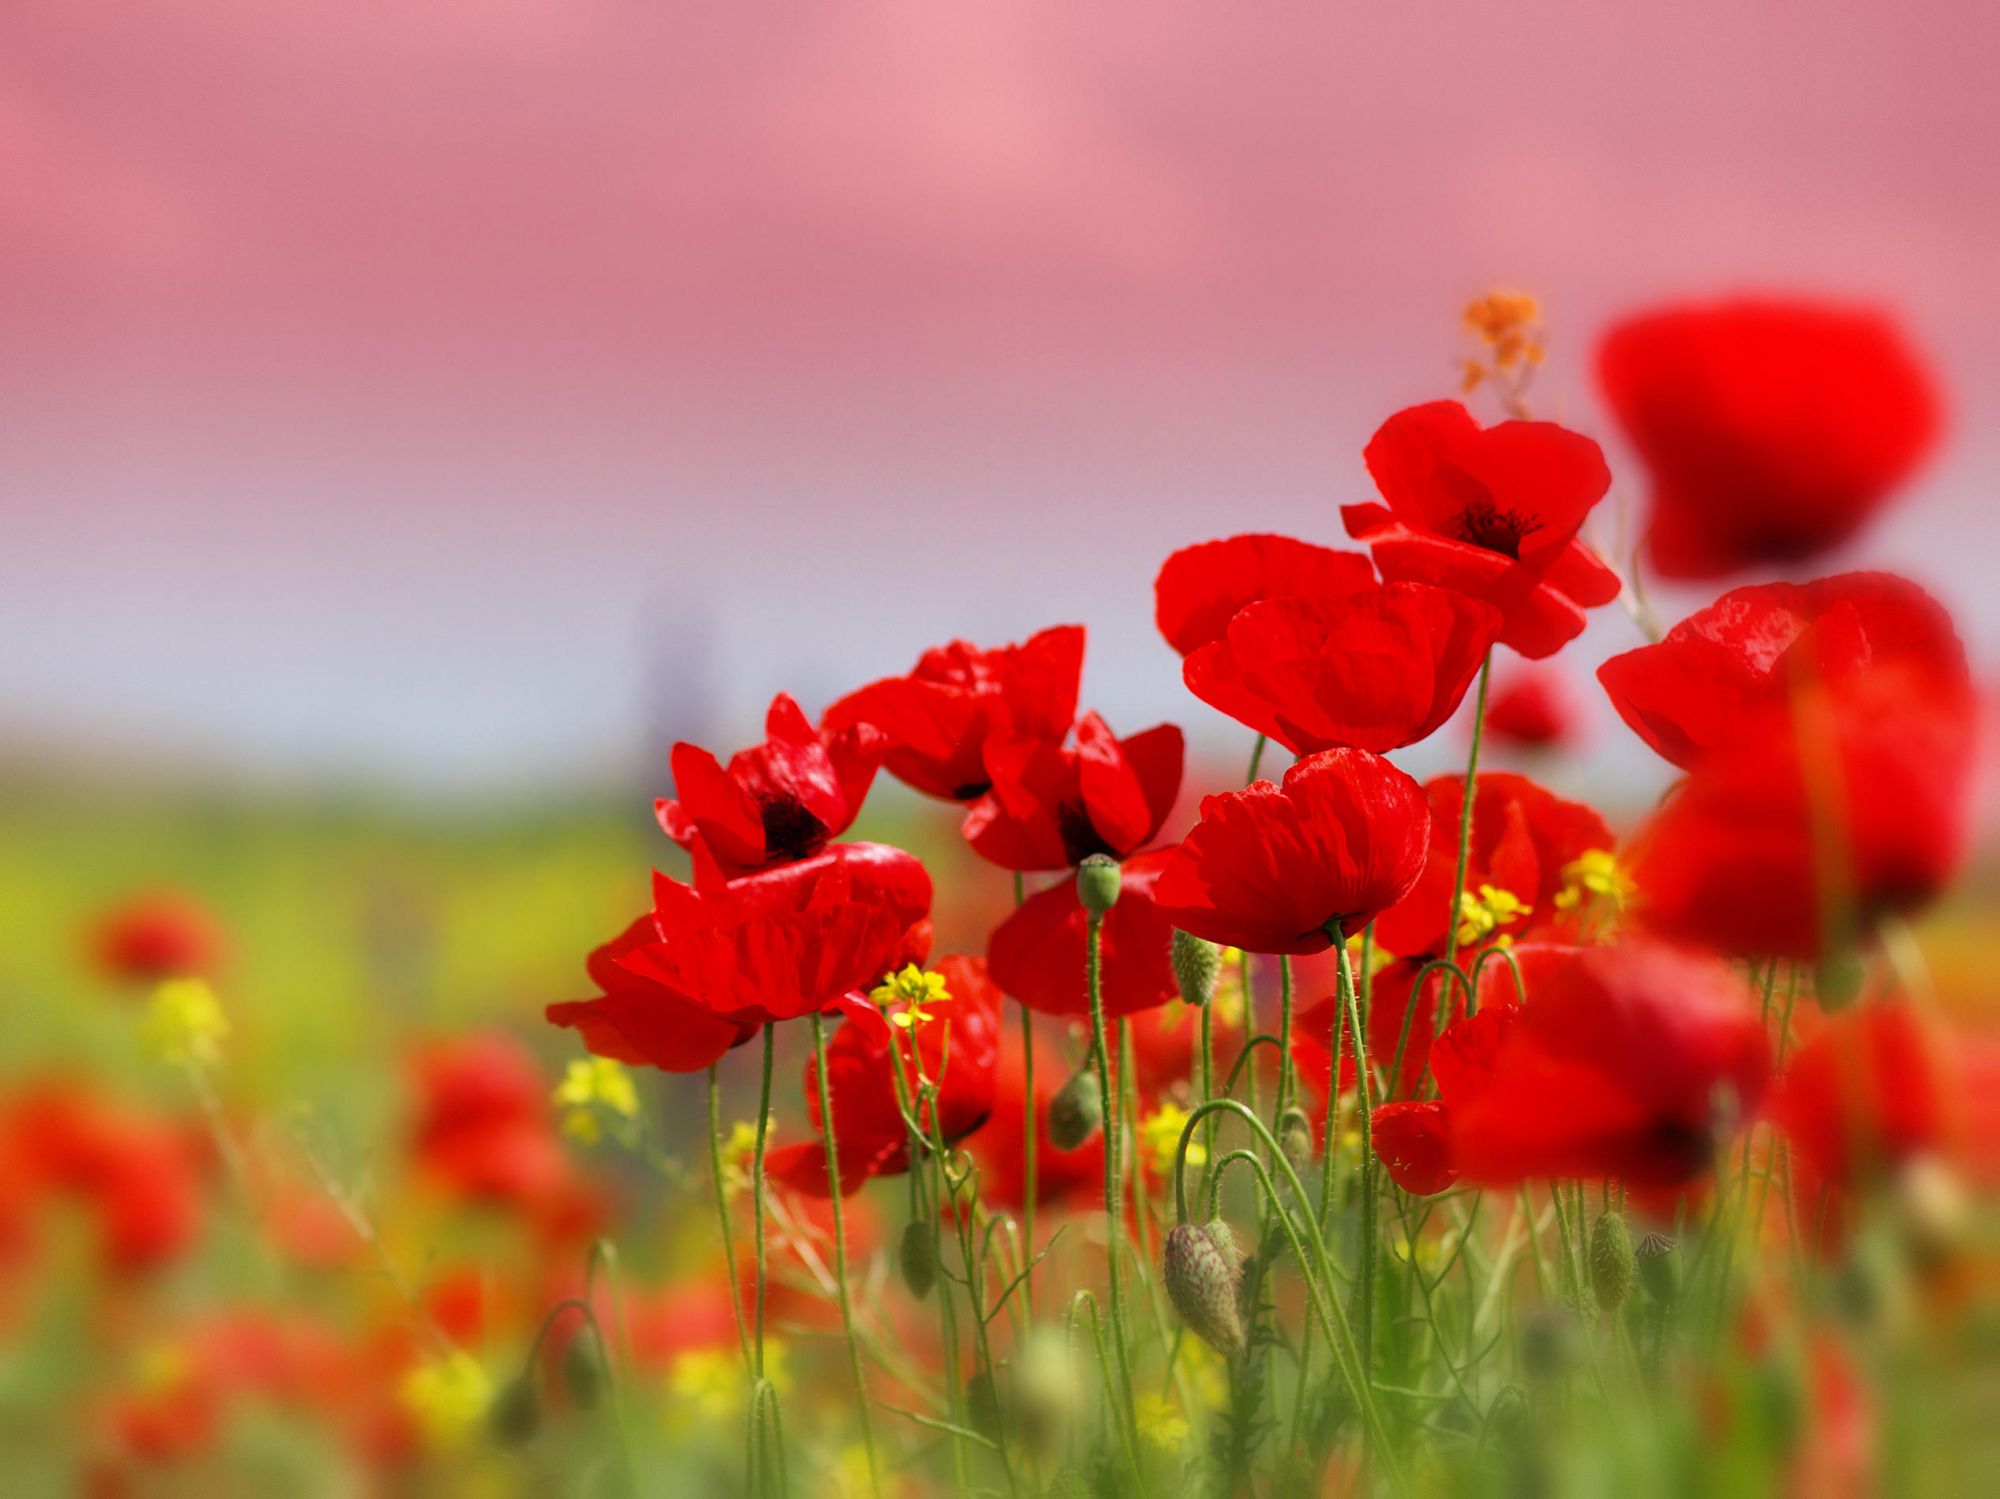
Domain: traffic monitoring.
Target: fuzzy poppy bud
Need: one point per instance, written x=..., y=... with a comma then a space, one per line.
x=1097, y=882
x=516, y=1415
x=1197, y=964
x=916, y=1256
x=1223, y=1237
x=1076, y=1111
x=1295, y=1138
x=582, y=1373
x=1202, y=1283
x=1612, y=1264
x=1659, y=1267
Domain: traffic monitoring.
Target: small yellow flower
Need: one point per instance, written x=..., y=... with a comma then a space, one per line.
x=708, y=1386
x=738, y=1152
x=1378, y=956
x=1227, y=1005
x=1160, y=1139
x=1481, y=915
x=850, y=1476
x=591, y=1088
x=1596, y=872
x=449, y=1399
x=913, y=988
x=1207, y=1373
x=185, y=1024
x=1160, y=1423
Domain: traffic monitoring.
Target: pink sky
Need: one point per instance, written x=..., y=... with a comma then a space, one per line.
x=396, y=382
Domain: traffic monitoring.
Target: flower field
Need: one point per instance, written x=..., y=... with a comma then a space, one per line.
x=948, y=1092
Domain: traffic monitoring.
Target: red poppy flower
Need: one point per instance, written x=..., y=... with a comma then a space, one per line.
x=1414, y=1138
x=1052, y=806
x=1719, y=673
x=1377, y=667
x=960, y=1047
x=1523, y=838
x=1038, y=952
x=140, y=1176
x=1530, y=710
x=1200, y=588
x=778, y=801
x=939, y=719
x=641, y=1021
x=789, y=941
x=1869, y=1092
x=1852, y=807
x=482, y=1123
x=1275, y=869
x=1072, y=1178
x=154, y=937
x=1491, y=512
x=1774, y=430
x=1624, y=1063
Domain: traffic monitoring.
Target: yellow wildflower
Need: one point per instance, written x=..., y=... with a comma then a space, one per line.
x=1160, y=1139
x=1483, y=914
x=591, y=1088
x=913, y=988
x=449, y=1399
x=185, y=1024
x=1159, y=1422
x=707, y=1386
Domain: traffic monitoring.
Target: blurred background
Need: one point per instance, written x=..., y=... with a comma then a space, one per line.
x=417, y=414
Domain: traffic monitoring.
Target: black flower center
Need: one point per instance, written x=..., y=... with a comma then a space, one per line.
x=790, y=831
x=1485, y=525
x=1079, y=834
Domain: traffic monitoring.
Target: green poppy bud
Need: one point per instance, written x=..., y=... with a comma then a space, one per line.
x=1076, y=1111
x=1097, y=881
x=1612, y=1263
x=1659, y=1267
x=982, y=1405
x=516, y=1414
x=1202, y=1284
x=916, y=1255
x=1197, y=965
x=583, y=1371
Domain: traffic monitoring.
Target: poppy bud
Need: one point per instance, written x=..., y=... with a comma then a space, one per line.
x=583, y=1375
x=982, y=1405
x=1612, y=1264
x=1076, y=1111
x=1097, y=881
x=516, y=1414
x=1223, y=1237
x=1659, y=1267
x=1295, y=1138
x=917, y=1257
x=1202, y=1283
x=1197, y=965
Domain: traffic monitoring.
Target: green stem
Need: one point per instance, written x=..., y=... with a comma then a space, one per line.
x=861, y=1401
x=1365, y=1291
x=1256, y=758
x=757, y=1189
x=1465, y=811
x=722, y=1218
x=1030, y=1133
x=1114, y=1218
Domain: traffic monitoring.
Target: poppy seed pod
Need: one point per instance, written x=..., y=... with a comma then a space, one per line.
x=1659, y=1267
x=1295, y=1138
x=916, y=1256
x=1202, y=1283
x=1197, y=965
x=1076, y=1111
x=516, y=1415
x=582, y=1373
x=1097, y=880
x=1612, y=1264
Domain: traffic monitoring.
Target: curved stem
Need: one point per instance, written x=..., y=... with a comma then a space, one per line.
x=861, y=1401
x=1471, y=795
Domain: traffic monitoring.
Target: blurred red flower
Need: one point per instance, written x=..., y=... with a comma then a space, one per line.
x=1852, y=807
x=1200, y=588
x=1038, y=952
x=790, y=941
x=482, y=1126
x=959, y=1049
x=1719, y=674
x=1530, y=710
x=139, y=1175
x=159, y=936
x=1053, y=805
x=1062, y=1177
x=1625, y=1063
x=939, y=718
x=1376, y=667
x=1275, y=869
x=1773, y=429
x=778, y=801
x=1524, y=838
x=1491, y=512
